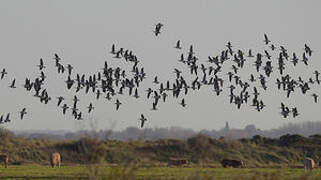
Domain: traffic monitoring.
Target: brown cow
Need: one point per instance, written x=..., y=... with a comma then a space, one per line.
x=55, y=159
x=5, y=159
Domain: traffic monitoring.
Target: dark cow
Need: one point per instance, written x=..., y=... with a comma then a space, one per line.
x=5, y=159
x=178, y=162
x=233, y=163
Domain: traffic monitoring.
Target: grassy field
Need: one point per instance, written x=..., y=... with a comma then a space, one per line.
x=173, y=173
x=29, y=158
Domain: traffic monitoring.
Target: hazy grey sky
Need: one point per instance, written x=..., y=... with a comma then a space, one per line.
x=82, y=32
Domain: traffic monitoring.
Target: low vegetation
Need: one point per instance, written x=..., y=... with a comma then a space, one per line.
x=265, y=158
x=200, y=150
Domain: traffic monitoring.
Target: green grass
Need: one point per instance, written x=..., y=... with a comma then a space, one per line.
x=43, y=172
x=168, y=173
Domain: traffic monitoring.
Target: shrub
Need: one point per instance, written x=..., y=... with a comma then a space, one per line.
x=199, y=142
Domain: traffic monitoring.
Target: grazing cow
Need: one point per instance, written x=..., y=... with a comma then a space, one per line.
x=230, y=162
x=308, y=164
x=178, y=162
x=55, y=159
x=5, y=159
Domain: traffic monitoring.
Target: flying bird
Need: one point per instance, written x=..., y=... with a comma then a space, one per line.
x=156, y=80
x=113, y=51
x=64, y=108
x=178, y=45
x=60, y=99
x=41, y=65
x=69, y=82
x=266, y=39
x=69, y=67
x=183, y=102
x=22, y=113
x=154, y=106
x=13, y=84
x=142, y=119
x=90, y=107
x=7, y=118
x=158, y=28
x=79, y=116
x=315, y=97
x=3, y=73
x=57, y=59
x=118, y=103
x=295, y=112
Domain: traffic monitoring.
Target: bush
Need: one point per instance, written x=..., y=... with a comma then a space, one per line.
x=288, y=139
x=5, y=133
x=199, y=142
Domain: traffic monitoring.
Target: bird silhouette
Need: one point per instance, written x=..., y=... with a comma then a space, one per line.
x=90, y=107
x=13, y=84
x=64, y=108
x=41, y=65
x=7, y=118
x=183, y=103
x=118, y=103
x=178, y=45
x=266, y=39
x=315, y=97
x=158, y=28
x=79, y=116
x=3, y=73
x=142, y=119
x=22, y=113
x=57, y=59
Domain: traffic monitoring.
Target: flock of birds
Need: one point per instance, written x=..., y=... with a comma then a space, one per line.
x=111, y=82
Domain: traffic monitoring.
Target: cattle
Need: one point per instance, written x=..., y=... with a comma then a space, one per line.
x=308, y=164
x=233, y=163
x=55, y=159
x=178, y=162
x=5, y=159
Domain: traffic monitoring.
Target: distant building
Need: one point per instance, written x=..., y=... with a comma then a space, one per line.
x=224, y=131
x=227, y=127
